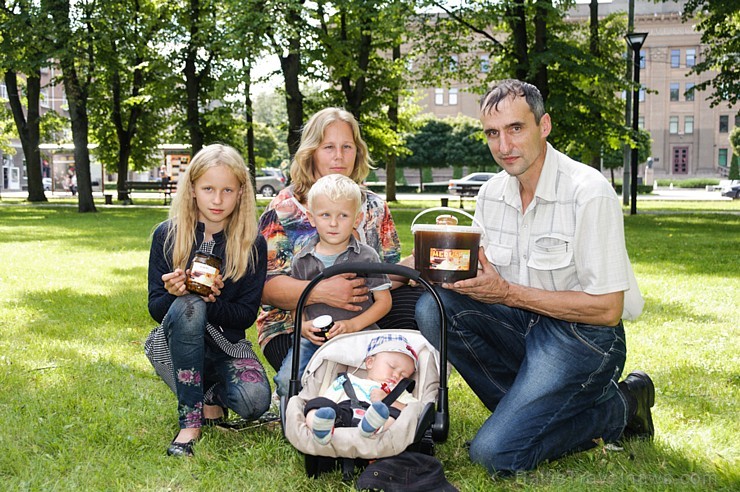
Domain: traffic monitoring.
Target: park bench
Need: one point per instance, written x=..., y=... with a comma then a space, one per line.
x=166, y=188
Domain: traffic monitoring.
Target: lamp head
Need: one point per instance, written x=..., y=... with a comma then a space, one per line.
x=636, y=39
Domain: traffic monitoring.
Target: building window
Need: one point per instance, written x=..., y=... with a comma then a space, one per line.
x=690, y=57
x=724, y=123
x=675, y=58
x=689, y=91
x=642, y=59
x=3, y=92
x=641, y=95
x=453, y=63
x=452, y=97
x=439, y=97
x=641, y=122
x=674, y=91
x=673, y=125
x=485, y=64
x=722, y=158
x=688, y=125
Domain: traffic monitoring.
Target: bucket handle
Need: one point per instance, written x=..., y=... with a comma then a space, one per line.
x=449, y=209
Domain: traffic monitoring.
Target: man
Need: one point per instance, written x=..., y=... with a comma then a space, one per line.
x=537, y=334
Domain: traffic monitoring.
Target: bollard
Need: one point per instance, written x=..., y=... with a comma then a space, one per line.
x=444, y=201
x=108, y=199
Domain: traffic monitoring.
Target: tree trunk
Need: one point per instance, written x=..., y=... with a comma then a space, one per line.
x=291, y=66
x=77, y=100
x=249, y=118
x=125, y=131
x=192, y=82
x=390, y=165
x=28, y=129
x=593, y=47
x=192, y=119
x=542, y=8
x=518, y=24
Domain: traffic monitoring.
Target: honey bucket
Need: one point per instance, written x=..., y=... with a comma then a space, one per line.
x=446, y=252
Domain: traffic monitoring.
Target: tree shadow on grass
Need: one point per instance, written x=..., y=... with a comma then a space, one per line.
x=112, y=230
x=655, y=308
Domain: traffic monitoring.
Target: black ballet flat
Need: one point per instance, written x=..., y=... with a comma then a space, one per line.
x=181, y=448
x=217, y=421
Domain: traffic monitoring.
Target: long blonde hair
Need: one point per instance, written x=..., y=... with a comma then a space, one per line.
x=241, y=228
x=302, y=171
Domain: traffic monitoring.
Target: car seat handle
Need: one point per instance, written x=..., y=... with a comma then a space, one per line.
x=372, y=268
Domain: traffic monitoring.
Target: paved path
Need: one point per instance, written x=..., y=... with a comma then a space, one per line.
x=685, y=194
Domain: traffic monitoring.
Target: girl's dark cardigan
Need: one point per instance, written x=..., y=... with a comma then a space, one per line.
x=235, y=309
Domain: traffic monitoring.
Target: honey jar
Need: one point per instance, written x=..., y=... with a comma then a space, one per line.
x=445, y=252
x=323, y=323
x=203, y=272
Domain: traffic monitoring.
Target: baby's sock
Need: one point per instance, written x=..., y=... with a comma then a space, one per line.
x=323, y=424
x=374, y=418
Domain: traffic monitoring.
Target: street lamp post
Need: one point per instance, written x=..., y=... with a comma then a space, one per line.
x=635, y=40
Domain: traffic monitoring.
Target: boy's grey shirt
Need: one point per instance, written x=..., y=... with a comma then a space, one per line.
x=306, y=266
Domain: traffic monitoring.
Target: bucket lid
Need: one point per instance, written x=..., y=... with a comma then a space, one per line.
x=445, y=228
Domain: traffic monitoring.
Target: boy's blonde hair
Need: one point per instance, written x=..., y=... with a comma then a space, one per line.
x=335, y=187
x=302, y=170
x=241, y=227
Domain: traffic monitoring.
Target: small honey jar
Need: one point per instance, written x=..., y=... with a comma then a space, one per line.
x=323, y=323
x=203, y=272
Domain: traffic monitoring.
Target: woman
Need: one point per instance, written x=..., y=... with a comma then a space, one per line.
x=199, y=349
x=330, y=144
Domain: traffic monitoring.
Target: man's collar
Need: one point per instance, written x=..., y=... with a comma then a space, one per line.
x=545, y=183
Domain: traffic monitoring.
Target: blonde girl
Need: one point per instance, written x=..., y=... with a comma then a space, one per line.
x=200, y=348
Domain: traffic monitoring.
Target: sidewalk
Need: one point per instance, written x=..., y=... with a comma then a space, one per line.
x=684, y=194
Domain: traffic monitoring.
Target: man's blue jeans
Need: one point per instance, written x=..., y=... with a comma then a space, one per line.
x=551, y=385
x=239, y=384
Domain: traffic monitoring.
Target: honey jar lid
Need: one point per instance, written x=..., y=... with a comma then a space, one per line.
x=446, y=219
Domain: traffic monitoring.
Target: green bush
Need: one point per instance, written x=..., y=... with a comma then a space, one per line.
x=689, y=183
x=406, y=188
x=641, y=189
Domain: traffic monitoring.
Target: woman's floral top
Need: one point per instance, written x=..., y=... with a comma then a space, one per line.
x=285, y=226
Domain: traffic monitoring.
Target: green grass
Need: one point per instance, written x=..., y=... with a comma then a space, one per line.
x=83, y=410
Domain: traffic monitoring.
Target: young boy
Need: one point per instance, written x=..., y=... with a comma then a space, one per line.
x=389, y=360
x=334, y=205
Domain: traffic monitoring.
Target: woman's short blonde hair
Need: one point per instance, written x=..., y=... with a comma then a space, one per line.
x=335, y=187
x=302, y=170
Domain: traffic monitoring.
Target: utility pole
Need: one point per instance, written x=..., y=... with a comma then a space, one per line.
x=627, y=152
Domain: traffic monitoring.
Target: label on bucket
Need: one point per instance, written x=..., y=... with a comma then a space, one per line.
x=449, y=259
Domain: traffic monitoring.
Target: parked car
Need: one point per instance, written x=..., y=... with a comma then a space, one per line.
x=732, y=191
x=269, y=181
x=468, y=185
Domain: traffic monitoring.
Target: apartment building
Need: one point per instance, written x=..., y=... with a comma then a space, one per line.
x=690, y=139
x=54, y=165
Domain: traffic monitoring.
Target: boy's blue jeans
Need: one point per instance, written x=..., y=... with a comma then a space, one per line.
x=282, y=378
x=551, y=385
x=239, y=384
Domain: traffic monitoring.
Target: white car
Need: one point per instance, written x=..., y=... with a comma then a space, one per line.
x=269, y=181
x=468, y=185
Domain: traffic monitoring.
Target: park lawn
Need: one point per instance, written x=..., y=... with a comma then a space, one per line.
x=83, y=409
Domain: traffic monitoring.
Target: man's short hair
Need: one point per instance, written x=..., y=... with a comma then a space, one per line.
x=513, y=88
